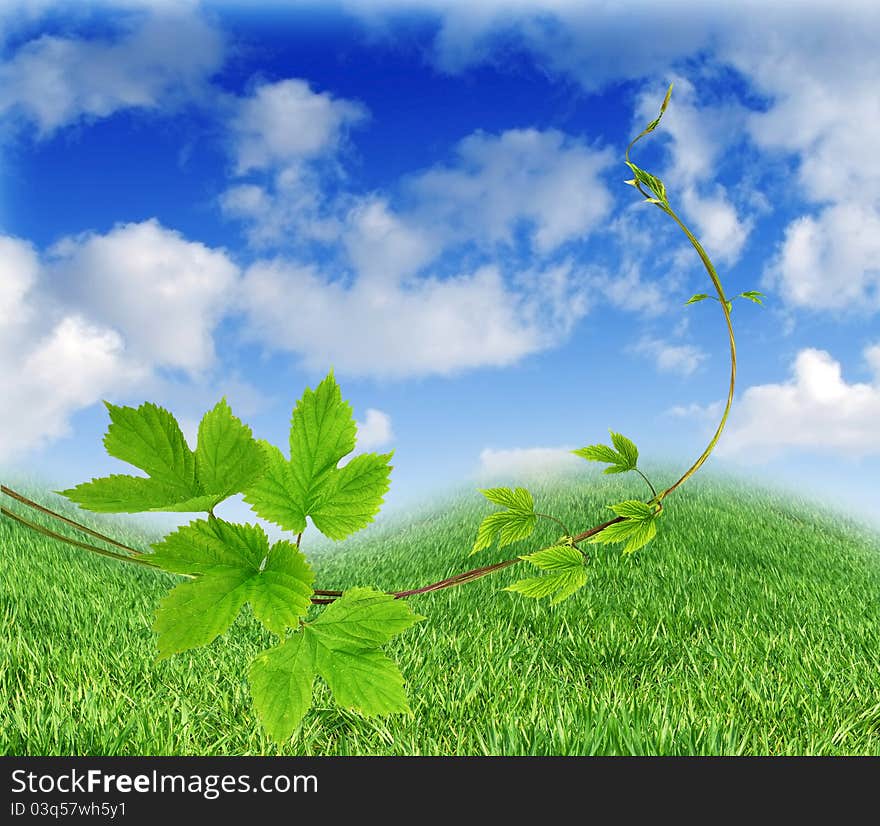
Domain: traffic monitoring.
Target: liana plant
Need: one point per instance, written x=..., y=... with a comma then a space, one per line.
x=228, y=565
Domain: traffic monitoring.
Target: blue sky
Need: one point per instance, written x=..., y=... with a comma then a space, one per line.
x=207, y=199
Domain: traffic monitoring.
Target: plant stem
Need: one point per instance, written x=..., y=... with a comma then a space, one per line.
x=557, y=521
x=722, y=300
x=36, y=506
x=458, y=579
x=647, y=481
x=135, y=560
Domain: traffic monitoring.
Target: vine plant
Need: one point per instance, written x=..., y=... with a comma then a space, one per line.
x=227, y=565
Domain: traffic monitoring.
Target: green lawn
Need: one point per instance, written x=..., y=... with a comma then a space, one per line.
x=751, y=625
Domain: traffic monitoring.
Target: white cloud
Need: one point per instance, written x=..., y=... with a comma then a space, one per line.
x=497, y=183
x=581, y=40
x=527, y=462
x=821, y=83
x=813, y=65
x=160, y=58
x=53, y=362
x=19, y=268
x=723, y=233
x=286, y=122
x=708, y=412
x=832, y=260
x=872, y=356
x=374, y=431
x=383, y=246
x=395, y=305
x=683, y=359
x=287, y=209
x=399, y=327
x=164, y=294
x=67, y=370
x=96, y=319
x=627, y=289
x=288, y=137
x=815, y=410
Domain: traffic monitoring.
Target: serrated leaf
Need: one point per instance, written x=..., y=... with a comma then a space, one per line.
x=623, y=457
x=352, y=496
x=120, y=493
x=597, y=453
x=626, y=448
x=365, y=681
x=281, y=593
x=560, y=585
x=507, y=526
x=233, y=564
x=633, y=509
x=150, y=438
x=635, y=531
x=654, y=123
x=225, y=462
x=228, y=459
x=652, y=182
x=754, y=296
x=556, y=557
x=196, y=613
x=340, y=501
x=364, y=618
x=695, y=298
x=567, y=574
x=281, y=681
x=342, y=645
x=515, y=499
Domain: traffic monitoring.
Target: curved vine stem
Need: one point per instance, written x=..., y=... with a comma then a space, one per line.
x=725, y=307
x=324, y=597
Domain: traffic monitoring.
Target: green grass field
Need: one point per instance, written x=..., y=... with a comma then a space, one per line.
x=751, y=625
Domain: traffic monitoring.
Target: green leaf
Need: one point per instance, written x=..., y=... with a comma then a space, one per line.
x=567, y=574
x=232, y=564
x=132, y=494
x=729, y=305
x=626, y=448
x=637, y=528
x=340, y=501
x=342, y=645
x=352, y=495
x=507, y=526
x=655, y=123
x=754, y=296
x=598, y=453
x=556, y=557
x=695, y=298
x=623, y=457
x=363, y=618
x=518, y=499
x=652, y=182
x=560, y=585
x=149, y=438
x=633, y=509
x=226, y=461
x=366, y=681
x=281, y=681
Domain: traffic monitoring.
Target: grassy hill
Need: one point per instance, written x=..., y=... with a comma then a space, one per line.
x=750, y=626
